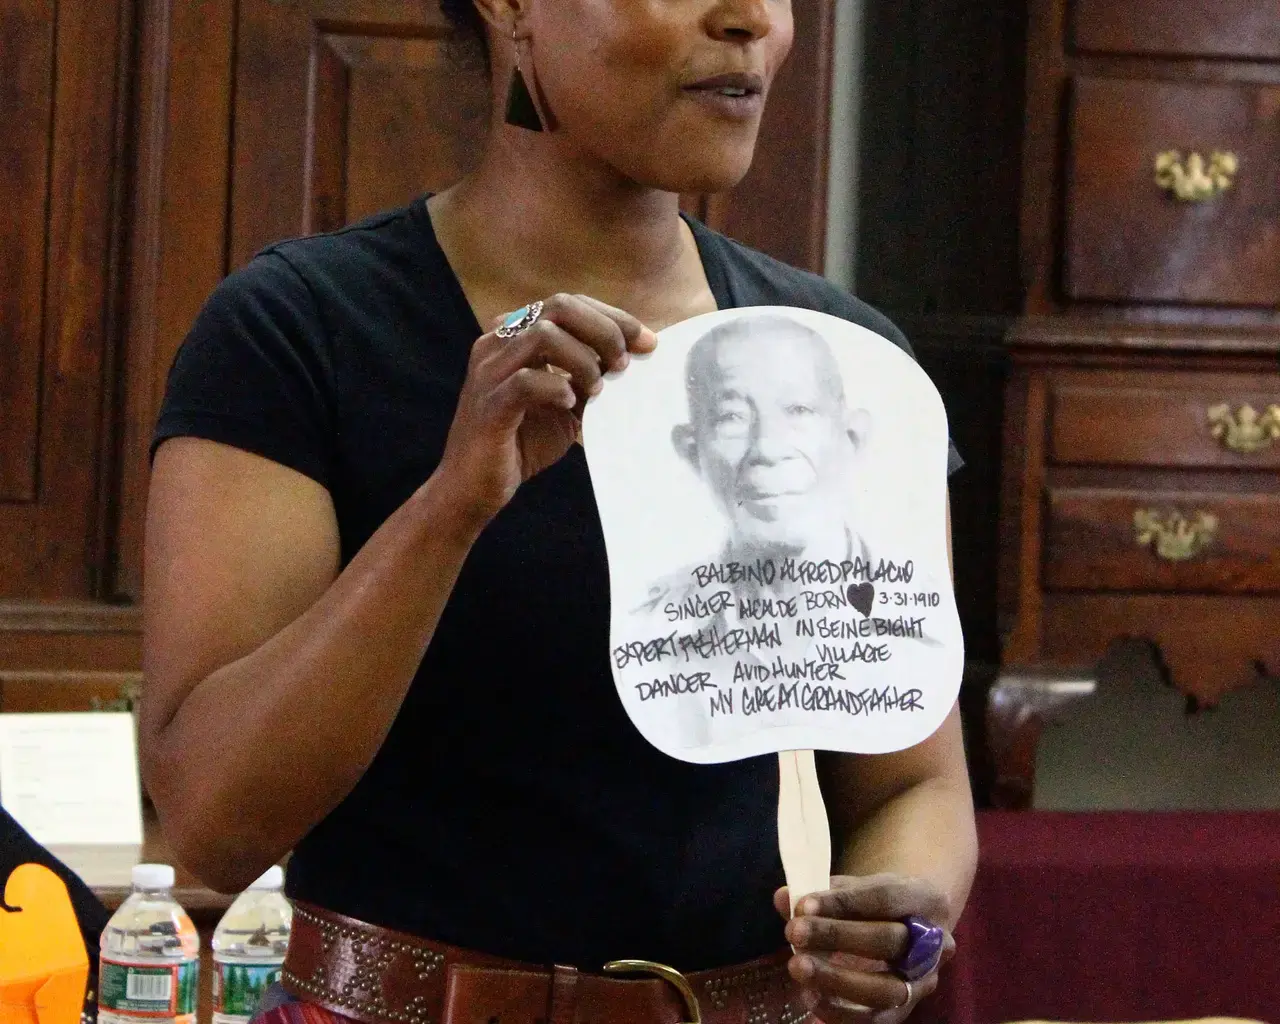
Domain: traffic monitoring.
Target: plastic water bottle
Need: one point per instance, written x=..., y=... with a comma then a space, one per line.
x=149, y=970
x=249, y=945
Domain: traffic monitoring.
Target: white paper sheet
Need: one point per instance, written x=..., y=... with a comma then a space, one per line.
x=72, y=778
x=774, y=512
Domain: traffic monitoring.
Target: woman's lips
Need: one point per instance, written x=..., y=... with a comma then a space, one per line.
x=735, y=95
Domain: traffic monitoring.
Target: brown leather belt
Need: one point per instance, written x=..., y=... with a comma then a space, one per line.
x=379, y=976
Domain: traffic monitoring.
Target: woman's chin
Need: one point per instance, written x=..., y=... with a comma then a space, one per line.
x=700, y=173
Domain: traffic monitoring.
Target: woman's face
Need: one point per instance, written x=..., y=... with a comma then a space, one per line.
x=668, y=93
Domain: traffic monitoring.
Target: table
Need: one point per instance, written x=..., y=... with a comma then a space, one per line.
x=1118, y=917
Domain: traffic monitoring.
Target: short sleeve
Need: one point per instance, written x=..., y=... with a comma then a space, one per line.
x=254, y=371
x=890, y=330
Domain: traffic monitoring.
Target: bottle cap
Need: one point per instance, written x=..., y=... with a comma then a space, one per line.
x=152, y=876
x=272, y=878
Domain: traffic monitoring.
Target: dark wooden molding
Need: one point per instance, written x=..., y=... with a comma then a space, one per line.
x=104, y=554
x=1085, y=334
x=68, y=617
x=146, y=245
x=1019, y=705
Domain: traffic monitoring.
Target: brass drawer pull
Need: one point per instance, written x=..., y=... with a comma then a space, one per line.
x=1246, y=430
x=1174, y=537
x=1196, y=179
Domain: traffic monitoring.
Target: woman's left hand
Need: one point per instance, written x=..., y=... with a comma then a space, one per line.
x=845, y=938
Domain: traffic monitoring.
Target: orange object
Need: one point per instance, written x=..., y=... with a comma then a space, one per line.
x=44, y=968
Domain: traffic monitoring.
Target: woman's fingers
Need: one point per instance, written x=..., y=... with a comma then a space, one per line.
x=873, y=940
x=874, y=990
x=638, y=338
x=546, y=344
x=528, y=388
x=875, y=898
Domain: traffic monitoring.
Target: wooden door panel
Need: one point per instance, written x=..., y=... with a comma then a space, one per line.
x=50, y=542
x=344, y=109
x=413, y=121
x=26, y=118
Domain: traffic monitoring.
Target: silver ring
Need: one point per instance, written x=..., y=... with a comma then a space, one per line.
x=519, y=321
x=910, y=995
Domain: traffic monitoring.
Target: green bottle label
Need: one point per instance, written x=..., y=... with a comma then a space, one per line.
x=160, y=990
x=238, y=988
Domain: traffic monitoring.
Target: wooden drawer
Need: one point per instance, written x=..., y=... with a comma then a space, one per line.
x=1194, y=421
x=1170, y=28
x=1129, y=238
x=1104, y=540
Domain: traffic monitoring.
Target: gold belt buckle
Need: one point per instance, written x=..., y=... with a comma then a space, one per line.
x=667, y=974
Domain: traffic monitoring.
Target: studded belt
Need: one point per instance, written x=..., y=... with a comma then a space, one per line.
x=379, y=976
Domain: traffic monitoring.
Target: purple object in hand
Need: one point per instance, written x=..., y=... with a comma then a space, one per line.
x=924, y=949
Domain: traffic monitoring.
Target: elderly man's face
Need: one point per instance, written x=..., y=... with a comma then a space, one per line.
x=770, y=437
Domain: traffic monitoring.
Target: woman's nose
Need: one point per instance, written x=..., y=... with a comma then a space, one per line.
x=743, y=21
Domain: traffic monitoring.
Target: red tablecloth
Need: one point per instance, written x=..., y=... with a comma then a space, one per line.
x=1118, y=917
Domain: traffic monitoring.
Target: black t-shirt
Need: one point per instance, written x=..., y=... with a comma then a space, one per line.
x=513, y=807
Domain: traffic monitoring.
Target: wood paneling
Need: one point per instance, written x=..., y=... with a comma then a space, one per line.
x=1162, y=419
x=1169, y=28
x=342, y=110
x=26, y=127
x=61, y=349
x=1127, y=239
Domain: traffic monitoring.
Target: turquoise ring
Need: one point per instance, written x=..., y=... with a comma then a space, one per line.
x=521, y=320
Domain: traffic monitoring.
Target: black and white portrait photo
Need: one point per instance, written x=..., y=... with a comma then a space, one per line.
x=772, y=485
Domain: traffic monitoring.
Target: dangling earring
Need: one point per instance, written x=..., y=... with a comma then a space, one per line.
x=522, y=112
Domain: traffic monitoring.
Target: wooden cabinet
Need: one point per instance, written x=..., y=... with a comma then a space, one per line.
x=147, y=148
x=1142, y=435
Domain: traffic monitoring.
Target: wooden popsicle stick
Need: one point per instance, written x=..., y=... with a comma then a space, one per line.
x=804, y=837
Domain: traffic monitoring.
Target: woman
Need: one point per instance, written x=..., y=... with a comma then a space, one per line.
x=377, y=604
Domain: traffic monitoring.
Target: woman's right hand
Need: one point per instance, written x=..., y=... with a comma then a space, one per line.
x=515, y=416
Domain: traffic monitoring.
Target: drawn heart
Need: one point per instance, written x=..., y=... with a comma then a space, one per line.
x=862, y=596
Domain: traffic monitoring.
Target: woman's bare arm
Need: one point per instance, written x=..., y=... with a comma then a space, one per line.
x=271, y=680
x=908, y=813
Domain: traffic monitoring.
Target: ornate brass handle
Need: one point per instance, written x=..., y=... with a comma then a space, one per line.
x=1196, y=179
x=1246, y=430
x=1174, y=537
